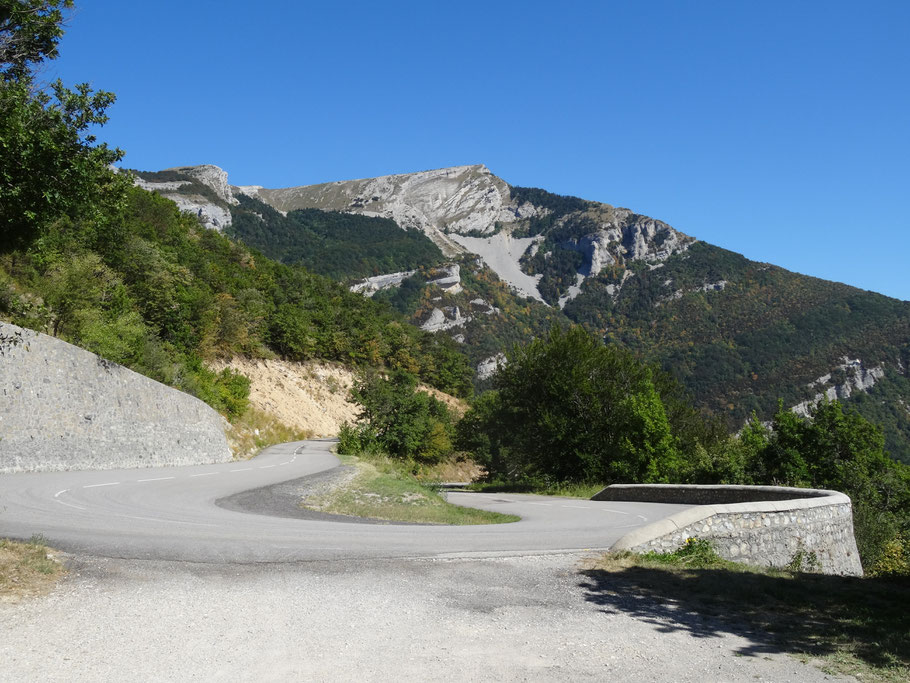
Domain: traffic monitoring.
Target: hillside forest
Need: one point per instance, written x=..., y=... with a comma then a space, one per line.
x=89, y=258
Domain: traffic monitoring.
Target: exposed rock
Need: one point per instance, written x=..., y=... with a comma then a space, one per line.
x=371, y=285
x=484, y=307
x=447, y=278
x=489, y=367
x=858, y=379
x=502, y=253
x=216, y=216
x=445, y=319
x=212, y=177
x=679, y=293
x=461, y=199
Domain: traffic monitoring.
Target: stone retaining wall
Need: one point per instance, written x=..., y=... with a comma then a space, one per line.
x=63, y=408
x=758, y=525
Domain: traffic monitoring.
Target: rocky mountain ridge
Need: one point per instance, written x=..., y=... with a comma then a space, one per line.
x=462, y=209
x=736, y=333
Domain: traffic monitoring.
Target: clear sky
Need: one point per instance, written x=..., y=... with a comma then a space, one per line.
x=777, y=129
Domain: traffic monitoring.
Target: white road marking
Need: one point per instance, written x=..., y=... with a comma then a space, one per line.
x=70, y=505
x=156, y=479
x=577, y=507
x=242, y=469
x=547, y=505
x=205, y=474
x=265, y=467
x=170, y=521
x=57, y=495
x=284, y=463
x=94, y=486
x=617, y=512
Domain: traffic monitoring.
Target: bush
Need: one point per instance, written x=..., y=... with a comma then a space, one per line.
x=399, y=420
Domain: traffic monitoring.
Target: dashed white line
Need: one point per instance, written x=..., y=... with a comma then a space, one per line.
x=157, y=479
x=616, y=512
x=577, y=507
x=242, y=469
x=57, y=495
x=94, y=486
x=265, y=467
x=546, y=505
x=284, y=463
x=205, y=474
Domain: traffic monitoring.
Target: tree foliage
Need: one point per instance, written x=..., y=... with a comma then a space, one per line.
x=51, y=165
x=569, y=408
x=340, y=245
x=398, y=419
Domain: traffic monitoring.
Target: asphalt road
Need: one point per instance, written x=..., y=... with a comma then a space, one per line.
x=171, y=514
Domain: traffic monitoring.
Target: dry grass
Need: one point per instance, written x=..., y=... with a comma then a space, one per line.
x=27, y=569
x=455, y=469
x=256, y=430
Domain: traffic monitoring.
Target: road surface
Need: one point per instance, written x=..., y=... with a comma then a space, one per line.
x=171, y=514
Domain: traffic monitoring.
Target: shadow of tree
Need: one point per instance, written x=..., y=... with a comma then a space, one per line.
x=806, y=613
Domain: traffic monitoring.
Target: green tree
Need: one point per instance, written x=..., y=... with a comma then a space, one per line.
x=569, y=408
x=400, y=420
x=51, y=164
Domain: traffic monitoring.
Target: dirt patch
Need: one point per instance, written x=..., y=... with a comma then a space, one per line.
x=308, y=396
x=311, y=396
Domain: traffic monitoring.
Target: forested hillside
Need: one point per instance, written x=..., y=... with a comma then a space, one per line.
x=160, y=294
x=88, y=257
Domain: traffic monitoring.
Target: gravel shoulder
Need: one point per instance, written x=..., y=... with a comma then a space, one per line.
x=508, y=619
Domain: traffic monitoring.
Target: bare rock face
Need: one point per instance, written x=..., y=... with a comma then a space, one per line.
x=459, y=200
x=215, y=215
x=371, y=285
x=855, y=377
x=211, y=176
x=461, y=209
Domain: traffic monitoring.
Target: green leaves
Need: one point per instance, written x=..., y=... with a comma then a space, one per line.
x=399, y=419
x=29, y=33
x=570, y=408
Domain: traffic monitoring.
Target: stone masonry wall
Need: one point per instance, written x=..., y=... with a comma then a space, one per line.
x=63, y=408
x=761, y=532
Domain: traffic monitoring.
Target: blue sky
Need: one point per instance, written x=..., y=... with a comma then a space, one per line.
x=779, y=130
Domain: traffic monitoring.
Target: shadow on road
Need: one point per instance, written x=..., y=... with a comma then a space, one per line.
x=805, y=613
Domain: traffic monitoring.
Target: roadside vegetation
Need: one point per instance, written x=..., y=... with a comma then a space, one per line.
x=255, y=430
x=27, y=569
x=386, y=488
x=569, y=411
x=846, y=625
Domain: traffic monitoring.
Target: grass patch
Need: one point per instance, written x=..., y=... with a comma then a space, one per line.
x=847, y=625
x=256, y=429
x=386, y=489
x=563, y=489
x=458, y=468
x=26, y=569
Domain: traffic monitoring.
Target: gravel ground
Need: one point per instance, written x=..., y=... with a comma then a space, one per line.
x=509, y=619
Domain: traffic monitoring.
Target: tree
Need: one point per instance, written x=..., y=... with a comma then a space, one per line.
x=29, y=33
x=399, y=419
x=569, y=408
x=51, y=165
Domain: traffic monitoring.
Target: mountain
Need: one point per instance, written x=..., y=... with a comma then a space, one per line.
x=491, y=264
